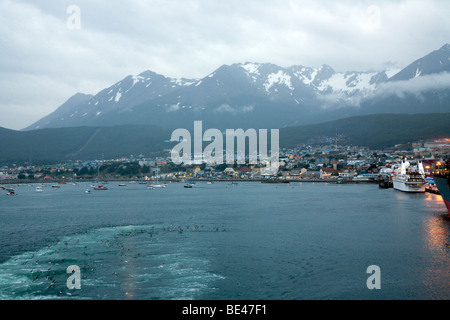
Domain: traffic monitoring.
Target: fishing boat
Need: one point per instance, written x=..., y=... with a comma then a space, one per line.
x=409, y=178
x=442, y=179
x=385, y=182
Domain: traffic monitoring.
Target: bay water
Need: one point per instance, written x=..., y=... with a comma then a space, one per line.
x=223, y=241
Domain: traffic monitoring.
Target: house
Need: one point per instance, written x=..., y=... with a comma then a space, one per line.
x=229, y=170
x=309, y=175
x=347, y=174
x=296, y=173
x=327, y=173
x=244, y=171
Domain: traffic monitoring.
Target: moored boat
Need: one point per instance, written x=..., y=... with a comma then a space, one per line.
x=431, y=186
x=157, y=185
x=100, y=188
x=385, y=183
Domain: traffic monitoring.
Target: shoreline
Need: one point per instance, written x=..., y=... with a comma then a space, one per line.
x=63, y=181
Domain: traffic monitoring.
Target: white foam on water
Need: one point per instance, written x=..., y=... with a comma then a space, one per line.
x=114, y=262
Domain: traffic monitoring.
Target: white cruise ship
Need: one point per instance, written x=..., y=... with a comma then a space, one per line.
x=410, y=178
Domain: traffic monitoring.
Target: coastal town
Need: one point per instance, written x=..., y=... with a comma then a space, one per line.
x=325, y=162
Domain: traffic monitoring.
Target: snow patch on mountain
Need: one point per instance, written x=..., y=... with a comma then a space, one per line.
x=280, y=78
x=307, y=75
x=349, y=83
x=118, y=96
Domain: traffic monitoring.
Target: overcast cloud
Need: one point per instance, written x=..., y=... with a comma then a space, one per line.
x=44, y=62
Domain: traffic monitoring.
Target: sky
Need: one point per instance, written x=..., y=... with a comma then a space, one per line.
x=50, y=50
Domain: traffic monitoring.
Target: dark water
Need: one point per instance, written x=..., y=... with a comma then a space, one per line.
x=250, y=241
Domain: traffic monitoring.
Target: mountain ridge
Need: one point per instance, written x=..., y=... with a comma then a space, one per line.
x=247, y=95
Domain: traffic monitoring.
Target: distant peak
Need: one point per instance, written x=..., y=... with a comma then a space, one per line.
x=326, y=67
x=250, y=67
x=147, y=73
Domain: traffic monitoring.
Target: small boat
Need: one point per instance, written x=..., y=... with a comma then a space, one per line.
x=385, y=182
x=157, y=185
x=431, y=186
x=100, y=188
x=209, y=182
x=150, y=188
x=122, y=185
x=188, y=186
x=55, y=186
x=10, y=192
x=38, y=189
x=87, y=191
x=2, y=187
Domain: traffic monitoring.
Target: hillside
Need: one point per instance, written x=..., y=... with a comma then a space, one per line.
x=375, y=131
x=80, y=143
x=86, y=143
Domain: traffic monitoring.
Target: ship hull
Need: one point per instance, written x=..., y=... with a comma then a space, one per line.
x=443, y=185
x=401, y=185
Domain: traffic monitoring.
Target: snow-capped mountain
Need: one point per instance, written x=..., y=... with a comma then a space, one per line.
x=249, y=95
x=120, y=97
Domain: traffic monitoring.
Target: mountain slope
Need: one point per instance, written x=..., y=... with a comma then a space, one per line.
x=436, y=62
x=71, y=106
